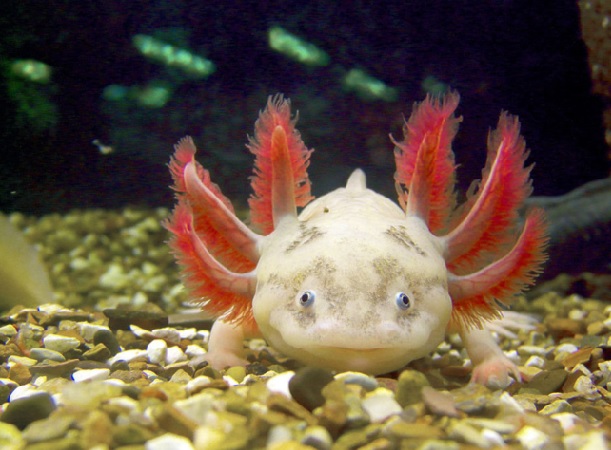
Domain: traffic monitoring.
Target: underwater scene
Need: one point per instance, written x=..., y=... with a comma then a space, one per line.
x=316, y=225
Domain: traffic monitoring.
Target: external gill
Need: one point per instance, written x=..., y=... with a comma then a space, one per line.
x=479, y=274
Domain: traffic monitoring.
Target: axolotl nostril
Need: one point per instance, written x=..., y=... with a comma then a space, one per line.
x=356, y=281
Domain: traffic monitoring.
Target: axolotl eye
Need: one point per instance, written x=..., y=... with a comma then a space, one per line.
x=306, y=298
x=403, y=301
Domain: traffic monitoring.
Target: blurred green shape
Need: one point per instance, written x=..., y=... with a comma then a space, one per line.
x=172, y=56
x=295, y=48
x=31, y=70
x=368, y=87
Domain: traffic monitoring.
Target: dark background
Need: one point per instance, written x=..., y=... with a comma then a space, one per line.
x=523, y=56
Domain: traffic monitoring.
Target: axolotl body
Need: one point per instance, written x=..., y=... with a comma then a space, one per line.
x=357, y=281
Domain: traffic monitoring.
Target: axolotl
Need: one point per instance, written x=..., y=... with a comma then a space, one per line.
x=357, y=281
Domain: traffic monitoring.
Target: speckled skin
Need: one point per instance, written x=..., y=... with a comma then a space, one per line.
x=355, y=250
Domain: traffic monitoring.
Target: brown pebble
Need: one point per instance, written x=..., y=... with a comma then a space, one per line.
x=560, y=327
x=547, y=381
x=96, y=430
x=307, y=384
x=20, y=374
x=439, y=403
x=173, y=421
x=128, y=376
x=581, y=356
x=98, y=353
x=55, y=369
x=120, y=319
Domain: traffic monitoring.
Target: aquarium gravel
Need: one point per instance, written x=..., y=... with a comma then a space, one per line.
x=120, y=366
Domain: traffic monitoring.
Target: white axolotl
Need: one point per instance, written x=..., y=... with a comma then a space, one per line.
x=355, y=281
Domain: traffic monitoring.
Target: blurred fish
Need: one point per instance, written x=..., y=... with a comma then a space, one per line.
x=23, y=278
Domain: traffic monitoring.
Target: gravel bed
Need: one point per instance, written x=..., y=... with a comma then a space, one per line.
x=120, y=366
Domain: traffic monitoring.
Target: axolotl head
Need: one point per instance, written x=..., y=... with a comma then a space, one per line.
x=352, y=285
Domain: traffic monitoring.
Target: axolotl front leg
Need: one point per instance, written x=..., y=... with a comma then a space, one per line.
x=490, y=365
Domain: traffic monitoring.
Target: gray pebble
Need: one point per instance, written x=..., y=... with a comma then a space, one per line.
x=24, y=411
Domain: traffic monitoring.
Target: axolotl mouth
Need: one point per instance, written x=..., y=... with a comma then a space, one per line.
x=368, y=360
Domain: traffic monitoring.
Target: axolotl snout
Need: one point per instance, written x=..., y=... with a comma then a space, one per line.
x=356, y=281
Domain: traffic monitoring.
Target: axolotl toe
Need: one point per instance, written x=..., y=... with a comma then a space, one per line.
x=357, y=281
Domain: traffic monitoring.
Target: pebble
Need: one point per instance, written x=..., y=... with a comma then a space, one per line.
x=547, y=382
x=157, y=352
x=23, y=411
x=108, y=338
x=89, y=375
x=128, y=356
x=409, y=387
x=146, y=402
x=280, y=383
x=59, y=343
x=380, y=406
x=169, y=441
x=307, y=384
x=40, y=354
x=175, y=355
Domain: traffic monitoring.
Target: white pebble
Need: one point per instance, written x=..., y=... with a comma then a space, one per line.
x=189, y=333
x=88, y=330
x=23, y=392
x=535, y=361
x=198, y=382
x=60, y=343
x=531, y=438
x=157, y=351
x=175, y=355
x=567, y=420
x=566, y=348
x=280, y=383
x=127, y=355
x=380, y=407
x=90, y=374
x=195, y=350
x=593, y=440
x=169, y=440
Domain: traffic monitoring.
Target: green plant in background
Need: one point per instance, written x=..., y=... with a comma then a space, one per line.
x=28, y=87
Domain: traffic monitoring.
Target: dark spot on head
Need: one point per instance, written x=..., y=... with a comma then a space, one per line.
x=400, y=235
x=306, y=235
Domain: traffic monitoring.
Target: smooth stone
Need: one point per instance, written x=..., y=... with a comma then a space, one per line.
x=23, y=360
x=128, y=356
x=121, y=319
x=307, y=384
x=131, y=434
x=20, y=374
x=55, y=369
x=175, y=355
x=167, y=441
x=48, y=429
x=60, y=343
x=280, y=383
x=547, y=382
x=409, y=387
x=10, y=437
x=358, y=378
x=98, y=353
x=90, y=374
x=24, y=411
x=88, y=330
x=238, y=373
x=107, y=338
x=157, y=351
x=439, y=403
x=380, y=407
x=40, y=354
